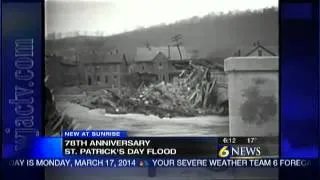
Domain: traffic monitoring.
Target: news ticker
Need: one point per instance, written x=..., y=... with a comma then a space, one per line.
x=180, y=162
x=224, y=147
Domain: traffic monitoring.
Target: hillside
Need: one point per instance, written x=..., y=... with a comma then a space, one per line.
x=212, y=35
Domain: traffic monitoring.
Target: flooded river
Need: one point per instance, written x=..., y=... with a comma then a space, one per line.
x=146, y=125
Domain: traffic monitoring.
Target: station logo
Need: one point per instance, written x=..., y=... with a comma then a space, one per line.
x=238, y=151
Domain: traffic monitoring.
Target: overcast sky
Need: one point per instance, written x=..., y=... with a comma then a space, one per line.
x=117, y=16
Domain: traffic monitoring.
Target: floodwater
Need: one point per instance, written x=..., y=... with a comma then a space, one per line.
x=146, y=125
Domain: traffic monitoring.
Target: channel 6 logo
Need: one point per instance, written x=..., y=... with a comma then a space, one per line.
x=224, y=152
x=239, y=151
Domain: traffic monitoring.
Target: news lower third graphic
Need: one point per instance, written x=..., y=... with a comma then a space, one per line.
x=114, y=147
x=85, y=149
x=175, y=147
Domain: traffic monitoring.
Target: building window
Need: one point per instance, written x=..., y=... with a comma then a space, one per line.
x=106, y=79
x=98, y=78
x=89, y=80
x=260, y=52
x=142, y=67
x=115, y=77
x=113, y=68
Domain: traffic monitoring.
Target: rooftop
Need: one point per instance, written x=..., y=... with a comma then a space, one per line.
x=249, y=50
x=171, y=52
x=100, y=57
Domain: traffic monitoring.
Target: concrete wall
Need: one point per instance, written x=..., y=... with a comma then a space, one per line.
x=253, y=91
x=253, y=88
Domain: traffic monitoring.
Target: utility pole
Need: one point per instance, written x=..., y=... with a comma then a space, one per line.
x=177, y=39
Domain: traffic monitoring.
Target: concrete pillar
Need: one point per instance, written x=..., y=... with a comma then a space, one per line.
x=253, y=92
x=253, y=88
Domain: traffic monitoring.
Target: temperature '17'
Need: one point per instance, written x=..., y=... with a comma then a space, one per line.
x=252, y=140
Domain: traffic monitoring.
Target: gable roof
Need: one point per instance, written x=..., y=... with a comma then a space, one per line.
x=259, y=46
x=160, y=54
x=247, y=51
x=171, y=52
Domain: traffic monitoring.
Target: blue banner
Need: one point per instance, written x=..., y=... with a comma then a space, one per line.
x=22, y=41
x=165, y=163
x=22, y=82
x=299, y=85
x=95, y=134
x=299, y=80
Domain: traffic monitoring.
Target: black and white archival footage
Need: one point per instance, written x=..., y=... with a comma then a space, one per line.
x=191, y=68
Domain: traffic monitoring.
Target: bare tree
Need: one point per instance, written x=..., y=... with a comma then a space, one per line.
x=177, y=39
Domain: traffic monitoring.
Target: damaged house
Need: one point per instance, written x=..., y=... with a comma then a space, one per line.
x=162, y=63
x=105, y=69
